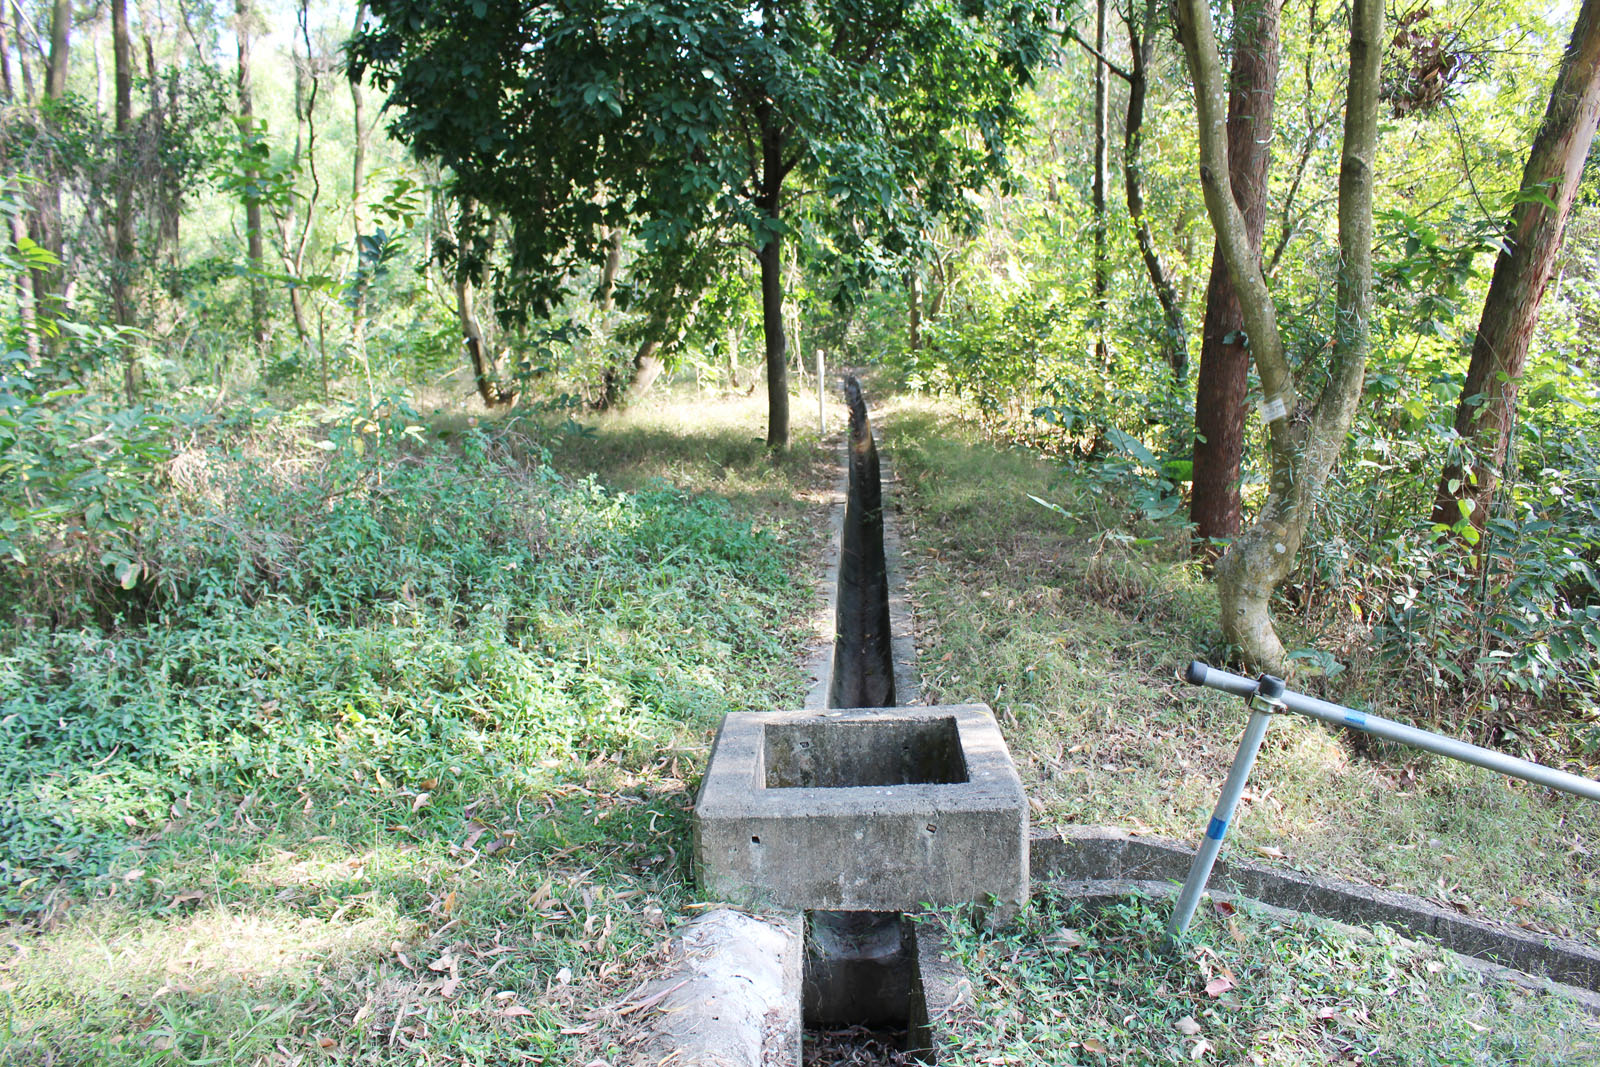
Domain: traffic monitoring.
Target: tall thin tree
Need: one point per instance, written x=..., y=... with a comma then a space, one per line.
x=244, y=28
x=1487, y=407
x=1222, y=380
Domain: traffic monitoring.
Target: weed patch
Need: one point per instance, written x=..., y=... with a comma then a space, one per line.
x=386, y=758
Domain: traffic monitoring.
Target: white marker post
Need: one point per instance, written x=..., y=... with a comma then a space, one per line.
x=822, y=410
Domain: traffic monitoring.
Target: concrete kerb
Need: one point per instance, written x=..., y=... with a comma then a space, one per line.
x=819, y=663
x=902, y=618
x=1102, y=856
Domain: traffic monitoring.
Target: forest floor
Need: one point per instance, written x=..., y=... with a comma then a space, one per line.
x=467, y=848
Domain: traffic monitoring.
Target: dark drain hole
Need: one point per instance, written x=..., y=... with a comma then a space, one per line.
x=861, y=994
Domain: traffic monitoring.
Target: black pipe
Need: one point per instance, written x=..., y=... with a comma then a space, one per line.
x=863, y=659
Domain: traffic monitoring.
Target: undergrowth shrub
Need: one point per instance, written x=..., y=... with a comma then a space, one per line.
x=408, y=610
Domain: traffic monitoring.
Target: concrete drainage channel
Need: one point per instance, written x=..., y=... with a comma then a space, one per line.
x=826, y=826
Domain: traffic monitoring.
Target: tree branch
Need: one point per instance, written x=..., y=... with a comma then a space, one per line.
x=1087, y=47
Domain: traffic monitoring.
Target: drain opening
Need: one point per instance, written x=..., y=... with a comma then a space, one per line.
x=861, y=996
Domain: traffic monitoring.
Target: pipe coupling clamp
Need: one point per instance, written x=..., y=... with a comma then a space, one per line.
x=1268, y=696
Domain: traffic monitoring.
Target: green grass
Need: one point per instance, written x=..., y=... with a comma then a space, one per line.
x=1066, y=984
x=391, y=760
x=1075, y=628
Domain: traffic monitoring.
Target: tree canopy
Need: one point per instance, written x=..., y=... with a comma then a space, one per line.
x=682, y=122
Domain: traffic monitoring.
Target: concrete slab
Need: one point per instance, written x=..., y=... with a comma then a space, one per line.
x=875, y=809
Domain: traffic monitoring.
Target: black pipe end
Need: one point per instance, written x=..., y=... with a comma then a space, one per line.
x=1195, y=673
x=1270, y=687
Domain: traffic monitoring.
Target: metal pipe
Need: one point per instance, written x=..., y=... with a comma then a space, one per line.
x=1200, y=674
x=1265, y=700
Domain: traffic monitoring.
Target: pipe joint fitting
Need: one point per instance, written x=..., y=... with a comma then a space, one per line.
x=1268, y=696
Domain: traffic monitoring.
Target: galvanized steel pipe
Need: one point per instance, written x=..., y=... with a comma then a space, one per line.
x=1200, y=674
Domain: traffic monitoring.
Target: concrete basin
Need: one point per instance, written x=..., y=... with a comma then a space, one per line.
x=868, y=809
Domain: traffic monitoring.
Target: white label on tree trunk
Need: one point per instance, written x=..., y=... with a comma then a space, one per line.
x=1273, y=409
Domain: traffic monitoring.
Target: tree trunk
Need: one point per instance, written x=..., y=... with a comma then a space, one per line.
x=483, y=368
x=358, y=178
x=244, y=26
x=122, y=249
x=914, y=312
x=1510, y=311
x=608, y=275
x=1222, y=380
x=5, y=53
x=647, y=367
x=1303, y=444
x=55, y=78
x=1101, y=121
x=770, y=257
x=46, y=221
x=1141, y=45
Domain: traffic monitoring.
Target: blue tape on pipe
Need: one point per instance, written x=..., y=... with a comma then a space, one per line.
x=1216, y=829
x=1355, y=718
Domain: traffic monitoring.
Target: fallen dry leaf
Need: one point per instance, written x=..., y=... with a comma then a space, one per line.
x=1199, y=1049
x=1064, y=939
x=1094, y=1045
x=1270, y=851
x=326, y=1042
x=1187, y=1026
x=421, y=799
x=513, y=1011
x=1219, y=985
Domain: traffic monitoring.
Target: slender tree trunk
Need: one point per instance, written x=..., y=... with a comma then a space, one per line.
x=122, y=249
x=24, y=294
x=358, y=178
x=1101, y=122
x=1304, y=442
x=1141, y=45
x=24, y=68
x=608, y=274
x=770, y=257
x=483, y=368
x=5, y=53
x=244, y=26
x=55, y=79
x=46, y=221
x=1222, y=381
x=1554, y=169
x=305, y=142
x=914, y=298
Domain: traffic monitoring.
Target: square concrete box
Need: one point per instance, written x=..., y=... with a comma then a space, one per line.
x=862, y=810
